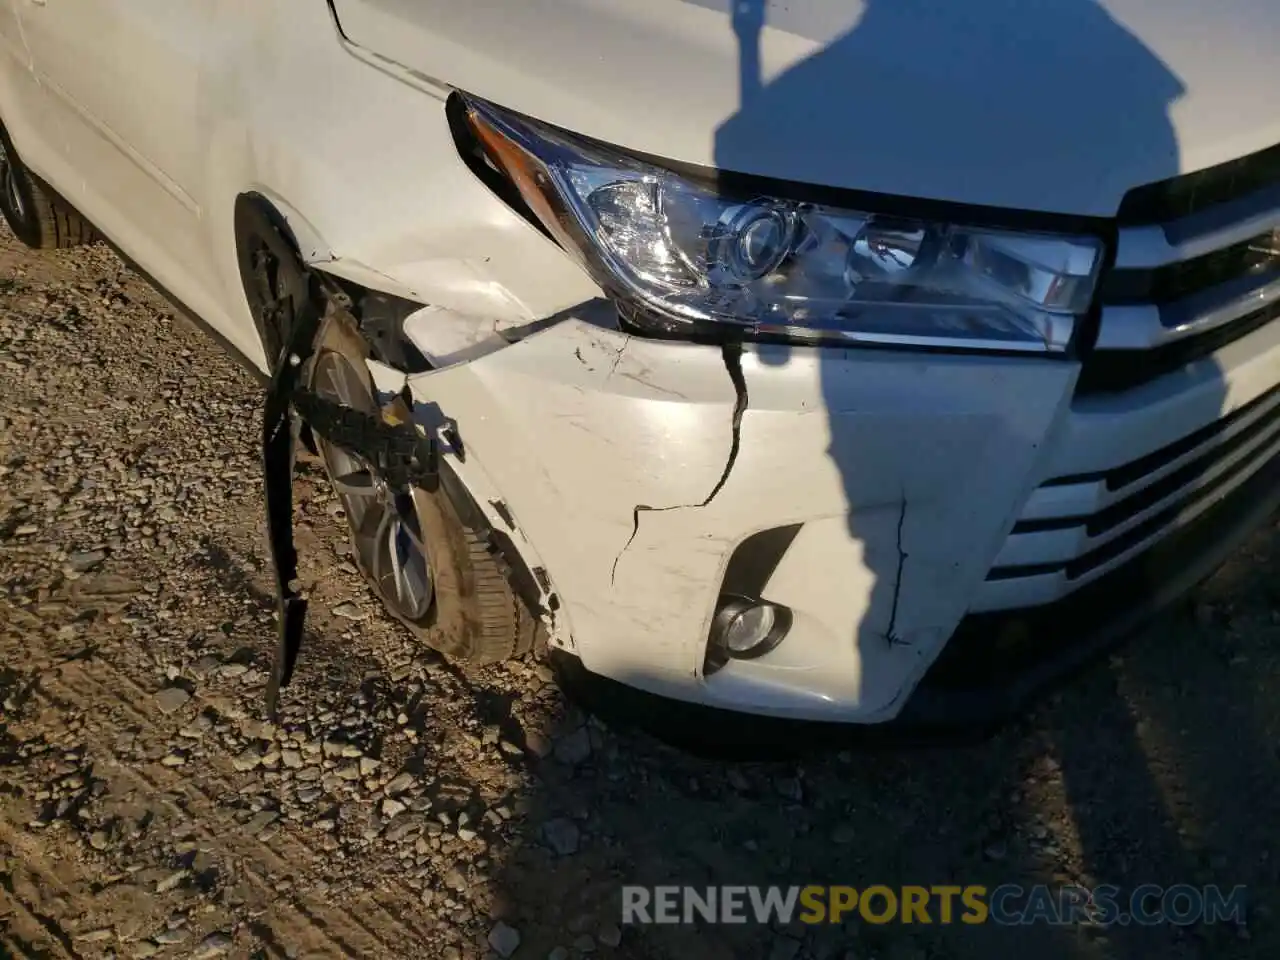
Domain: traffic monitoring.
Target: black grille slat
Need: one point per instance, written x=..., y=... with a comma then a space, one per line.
x=1117, y=478
x=1262, y=429
x=1190, y=194
x=1124, y=510
x=1158, y=324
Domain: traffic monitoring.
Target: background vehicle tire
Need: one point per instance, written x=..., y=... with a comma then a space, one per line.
x=465, y=608
x=36, y=217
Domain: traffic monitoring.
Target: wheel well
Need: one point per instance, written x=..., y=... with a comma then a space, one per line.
x=272, y=272
x=378, y=316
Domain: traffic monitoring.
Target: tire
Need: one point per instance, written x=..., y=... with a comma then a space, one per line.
x=474, y=615
x=36, y=216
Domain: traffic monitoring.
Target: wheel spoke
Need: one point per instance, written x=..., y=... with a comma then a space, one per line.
x=397, y=568
x=378, y=539
x=372, y=520
x=416, y=570
x=357, y=483
x=380, y=520
x=414, y=537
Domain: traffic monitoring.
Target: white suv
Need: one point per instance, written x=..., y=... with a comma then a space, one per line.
x=860, y=361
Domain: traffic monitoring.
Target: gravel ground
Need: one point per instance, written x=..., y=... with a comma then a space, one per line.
x=404, y=808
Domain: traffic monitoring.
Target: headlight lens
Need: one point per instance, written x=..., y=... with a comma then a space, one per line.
x=684, y=258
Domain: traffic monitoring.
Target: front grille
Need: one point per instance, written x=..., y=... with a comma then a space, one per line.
x=1102, y=519
x=1248, y=258
x=1117, y=371
x=1197, y=266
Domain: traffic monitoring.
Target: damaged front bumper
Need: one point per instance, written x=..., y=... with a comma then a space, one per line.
x=635, y=483
x=648, y=476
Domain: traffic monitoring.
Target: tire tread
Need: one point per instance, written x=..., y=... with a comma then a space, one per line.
x=50, y=222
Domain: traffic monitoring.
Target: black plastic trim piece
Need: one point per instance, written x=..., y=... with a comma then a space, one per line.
x=753, y=562
x=1108, y=551
x=1116, y=513
x=1185, y=207
x=1120, y=477
x=279, y=441
x=1168, y=201
x=1211, y=219
x=1214, y=276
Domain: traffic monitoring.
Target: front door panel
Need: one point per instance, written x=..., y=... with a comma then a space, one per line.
x=123, y=77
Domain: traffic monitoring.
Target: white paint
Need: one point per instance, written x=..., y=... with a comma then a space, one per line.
x=1060, y=105
x=388, y=381
x=209, y=99
x=446, y=337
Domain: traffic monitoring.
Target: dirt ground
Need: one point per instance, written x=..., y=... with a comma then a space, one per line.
x=403, y=808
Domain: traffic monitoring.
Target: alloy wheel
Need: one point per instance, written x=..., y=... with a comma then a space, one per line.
x=384, y=523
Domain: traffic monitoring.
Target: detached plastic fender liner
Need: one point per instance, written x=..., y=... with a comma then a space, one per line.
x=292, y=310
x=279, y=439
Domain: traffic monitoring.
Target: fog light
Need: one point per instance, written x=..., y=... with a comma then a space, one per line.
x=744, y=629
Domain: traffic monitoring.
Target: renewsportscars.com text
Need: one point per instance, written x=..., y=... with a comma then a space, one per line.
x=1008, y=904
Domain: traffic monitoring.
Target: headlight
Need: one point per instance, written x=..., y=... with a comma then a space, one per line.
x=684, y=258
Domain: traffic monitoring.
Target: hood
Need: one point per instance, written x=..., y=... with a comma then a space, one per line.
x=1052, y=105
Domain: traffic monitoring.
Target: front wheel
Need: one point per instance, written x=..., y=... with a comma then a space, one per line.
x=440, y=579
x=35, y=216
x=435, y=575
